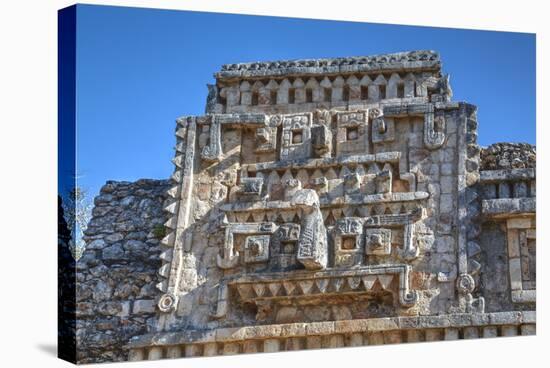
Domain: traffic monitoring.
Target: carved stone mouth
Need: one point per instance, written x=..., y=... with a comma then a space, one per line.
x=277, y=286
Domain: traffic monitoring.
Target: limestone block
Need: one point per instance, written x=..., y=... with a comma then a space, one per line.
x=313, y=342
x=173, y=352
x=294, y=343
x=433, y=335
x=376, y=338
x=490, y=331
x=271, y=345
x=250, y=347
x=511, y=330
x=393, y=337
x=210, y=349
x=471, y=332
x=231, y=348
x=136, y=355
x=355, y=339
x=528, y=329
x=333, y=341
x=515, y=274
x=155, y=353
x=413, y=335
x=143, y=306
x=451, y=334
x=446, y=204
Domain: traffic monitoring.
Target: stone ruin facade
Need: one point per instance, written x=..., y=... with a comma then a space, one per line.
x=317, y=203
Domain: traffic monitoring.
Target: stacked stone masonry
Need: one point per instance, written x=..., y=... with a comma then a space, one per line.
x=317, y=203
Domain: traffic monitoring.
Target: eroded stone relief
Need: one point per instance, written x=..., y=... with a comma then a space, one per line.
x=344, y=190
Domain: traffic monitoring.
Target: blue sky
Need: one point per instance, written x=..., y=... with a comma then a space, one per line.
x=139, y=69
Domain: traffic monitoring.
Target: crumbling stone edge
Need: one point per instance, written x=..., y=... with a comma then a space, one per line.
x=358, y=332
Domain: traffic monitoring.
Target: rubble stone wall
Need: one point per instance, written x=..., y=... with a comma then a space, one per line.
x=116, y=276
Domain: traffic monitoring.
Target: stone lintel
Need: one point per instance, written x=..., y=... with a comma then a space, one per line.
x=399, y=62
x=315, y=163
x=494, y=176
x=506, y=207
x=239, y=334
x=363, y=199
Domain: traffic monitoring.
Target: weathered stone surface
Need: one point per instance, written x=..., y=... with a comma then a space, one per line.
x=508, y=156
x=329, y=203
x=119, y=278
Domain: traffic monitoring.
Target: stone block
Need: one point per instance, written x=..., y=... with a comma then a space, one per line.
x=446, y=204
x=271, y=345
x=155, y=353
x=490, y=331
x=511, y=330
x=173, y=352
x=528, y=329
x=471, y=332
x=143, y=306
x=355, y=339
x=210, y=349
x=448, y=184
x=313, y=342
x=433, y=335
x=376, y=338
x=451, y=334
x=231, y=348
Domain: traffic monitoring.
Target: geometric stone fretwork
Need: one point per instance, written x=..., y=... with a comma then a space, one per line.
x=378, y=242
x=256, y=249
x=270, y=287
x=284, y=246
x=266, y=139
x=521, y=239
x=352, y=132
x=434, y=129
x=383, y=128
x=296, y=137
x=382, y=240
x=348, y=242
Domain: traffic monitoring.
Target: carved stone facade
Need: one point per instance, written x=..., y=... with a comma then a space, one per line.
x=338, y=202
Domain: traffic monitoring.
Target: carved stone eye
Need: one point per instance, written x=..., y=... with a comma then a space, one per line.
x=297, y=136
x=352, y=134
x=349, y=242
x=376, y=240
x=256, y=248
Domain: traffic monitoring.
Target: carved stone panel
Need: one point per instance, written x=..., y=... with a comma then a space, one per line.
x=348, y=242
x=256, y=248
x=312, y=245
x=296, y=137
x=378, y=242
x=284, y=247
x=251, y=188
x=383, y=129
x=434, y=128
x=321, y=140
x=230, y=255
x=266, y=139
x=352, y=132
x=213, y=151
x=521, y=238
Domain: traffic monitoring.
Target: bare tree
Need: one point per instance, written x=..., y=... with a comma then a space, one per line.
x=77, y=210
